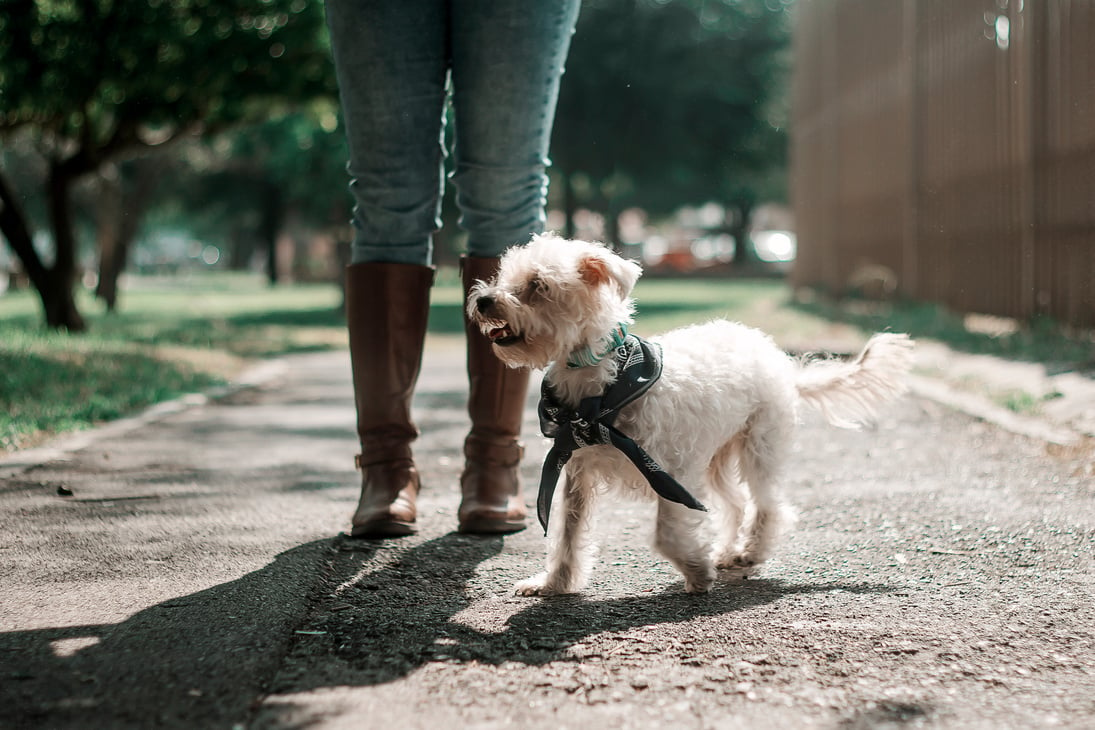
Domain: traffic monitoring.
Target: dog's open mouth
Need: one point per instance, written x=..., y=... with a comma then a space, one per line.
x=502, y=335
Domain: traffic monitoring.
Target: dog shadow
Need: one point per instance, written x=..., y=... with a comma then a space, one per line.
x=362, y=613
x=387, y=623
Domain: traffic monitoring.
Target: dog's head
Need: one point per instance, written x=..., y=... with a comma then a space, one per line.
x=551, y=297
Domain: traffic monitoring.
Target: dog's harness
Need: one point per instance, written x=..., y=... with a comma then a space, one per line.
x=638, y=366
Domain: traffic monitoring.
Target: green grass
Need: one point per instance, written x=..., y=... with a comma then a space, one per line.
x=180, y=335
x=174, y=336
x=45, y=391
x=171, y=337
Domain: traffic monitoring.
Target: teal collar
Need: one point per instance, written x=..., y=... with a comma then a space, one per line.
x=585, y=357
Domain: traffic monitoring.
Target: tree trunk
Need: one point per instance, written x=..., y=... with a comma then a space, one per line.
x=273, y=214
x=739, y=229
x=241, y=247
x=108, y=235
x=570, y=205
x=14, y=227
x=612, y=225
x=54, y=286
x=122, y=210
x=59, y=296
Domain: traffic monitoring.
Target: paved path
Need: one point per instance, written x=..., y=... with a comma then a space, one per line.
x=941, y=575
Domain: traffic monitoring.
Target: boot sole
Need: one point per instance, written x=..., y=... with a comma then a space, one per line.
x=486, y=526
x=383, y=530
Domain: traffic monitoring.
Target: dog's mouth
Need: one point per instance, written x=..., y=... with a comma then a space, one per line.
x=501, y=334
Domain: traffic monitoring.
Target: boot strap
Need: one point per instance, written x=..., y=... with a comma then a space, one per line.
x=361, y=460
x=506, y=452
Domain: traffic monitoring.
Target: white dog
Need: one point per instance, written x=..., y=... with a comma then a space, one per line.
x=713, y=430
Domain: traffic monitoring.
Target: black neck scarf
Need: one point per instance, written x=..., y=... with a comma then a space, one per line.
x=638, y=366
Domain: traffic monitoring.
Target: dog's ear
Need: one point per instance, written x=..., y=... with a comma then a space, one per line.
x=603, y=268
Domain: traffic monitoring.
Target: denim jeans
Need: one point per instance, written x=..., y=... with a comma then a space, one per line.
x=396, y=61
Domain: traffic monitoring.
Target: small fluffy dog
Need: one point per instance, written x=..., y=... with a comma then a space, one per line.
x=719, y=420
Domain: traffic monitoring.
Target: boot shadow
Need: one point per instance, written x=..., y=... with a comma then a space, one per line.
x=391, y=621
x=198, y=660
x=377, y=612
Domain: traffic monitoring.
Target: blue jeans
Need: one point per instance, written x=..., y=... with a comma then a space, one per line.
x=395, y=61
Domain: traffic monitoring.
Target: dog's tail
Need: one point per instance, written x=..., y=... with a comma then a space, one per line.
x=848, y=392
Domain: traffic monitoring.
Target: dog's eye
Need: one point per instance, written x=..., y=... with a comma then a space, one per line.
x=534, y=288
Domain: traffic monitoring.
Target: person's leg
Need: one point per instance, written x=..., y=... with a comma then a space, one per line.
x=507, y=57
x=507, y=61
x=391, y=59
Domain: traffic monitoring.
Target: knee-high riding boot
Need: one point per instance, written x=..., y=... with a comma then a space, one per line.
x=387, y=307
x=491, y=499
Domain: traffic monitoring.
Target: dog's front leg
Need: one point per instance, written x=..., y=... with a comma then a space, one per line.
x=570, y=551
x=678, y=536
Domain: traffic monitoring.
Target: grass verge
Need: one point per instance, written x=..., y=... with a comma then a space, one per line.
x=180, y=335
x=1042, y=341
x=171, y=337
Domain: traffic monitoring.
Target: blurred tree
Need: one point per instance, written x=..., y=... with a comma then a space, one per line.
x=101, y=80
x=125, y=191
x=296, y=168
x=673, y=102
x=239, y=188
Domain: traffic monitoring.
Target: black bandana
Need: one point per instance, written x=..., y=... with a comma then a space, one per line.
x=638, y=366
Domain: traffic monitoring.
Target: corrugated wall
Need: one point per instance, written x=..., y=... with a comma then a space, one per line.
x=947, y=147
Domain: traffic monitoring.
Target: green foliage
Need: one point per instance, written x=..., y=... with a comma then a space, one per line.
x=95, y=81
x=667, y=102
x=222, y=184
x=108, y=75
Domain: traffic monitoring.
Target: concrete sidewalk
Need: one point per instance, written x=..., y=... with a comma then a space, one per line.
x=166, y=588
x=183, y=571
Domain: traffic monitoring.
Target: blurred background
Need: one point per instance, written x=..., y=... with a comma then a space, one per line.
x=173, y=173
x=153, y=138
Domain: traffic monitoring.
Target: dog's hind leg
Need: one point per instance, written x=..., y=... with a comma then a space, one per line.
x=728, y=491
x=570, y=551
x=763, y=453
x=679, y=537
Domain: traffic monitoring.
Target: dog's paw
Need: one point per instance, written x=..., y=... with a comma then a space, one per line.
x=537, y=585
x=699, y=578
x=736, y=567
x=735, y=561
x=698, y=586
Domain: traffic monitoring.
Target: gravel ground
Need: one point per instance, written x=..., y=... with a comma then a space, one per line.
x=940, y=576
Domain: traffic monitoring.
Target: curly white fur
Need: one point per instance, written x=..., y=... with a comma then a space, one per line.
x=720, y=419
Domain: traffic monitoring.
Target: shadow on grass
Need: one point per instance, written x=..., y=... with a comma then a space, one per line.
x=1040, y=341
x=445, y=318
x=318, y=317
x=673, y=309
x=61, y=391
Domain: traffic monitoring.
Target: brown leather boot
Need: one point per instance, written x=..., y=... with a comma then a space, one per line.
x=387, y=307
x=490, y=487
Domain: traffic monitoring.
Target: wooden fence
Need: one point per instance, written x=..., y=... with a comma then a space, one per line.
x=945, y=150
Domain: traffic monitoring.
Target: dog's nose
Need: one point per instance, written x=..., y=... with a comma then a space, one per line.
x=484, y=303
